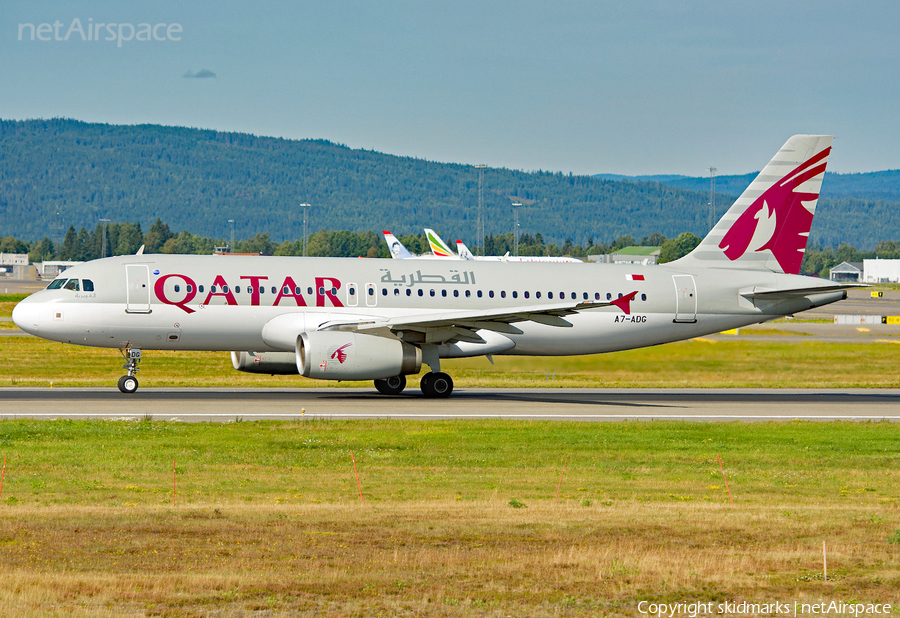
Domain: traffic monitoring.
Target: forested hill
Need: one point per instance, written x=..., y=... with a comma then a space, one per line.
x=884, y=185
x=197, y=180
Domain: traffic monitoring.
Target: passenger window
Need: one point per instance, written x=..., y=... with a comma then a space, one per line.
x=491, y=293
x=352, y=291
x=468, y=293
x=502, y=294
x=212, y=289
x=274, y=289
x=478, y=293
x=88, y=285
x=396, y=291
x=371, y=291
x=537, y=294
x=72, y=284
x=177, y=288
x=56, y=284
x=408, y=292
x=596, y=295
x=200, y=289
x=297, y=290
x=643, y=297
x=455, y=293
x=225, y=289
x=237, y=289
x=574, y=296
x=286, y=290
x=189, y=288
x=431, y=292
x=585, y=296
x=444, y=293
x=421, y=293
x=608, y=296
x=527, y=295
x=309, y=291
x=384, y=291
x=549, y=294
x=515, y=294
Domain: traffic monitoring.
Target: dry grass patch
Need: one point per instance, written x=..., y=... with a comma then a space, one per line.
x=441, y=558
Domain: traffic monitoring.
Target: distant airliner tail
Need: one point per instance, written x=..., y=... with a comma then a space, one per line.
x=463, y=251
x=768, y=226
x=398, y=251
x=438, y=247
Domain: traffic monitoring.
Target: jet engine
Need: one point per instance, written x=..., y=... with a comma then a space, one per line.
x=338, y=355
x=272, y=363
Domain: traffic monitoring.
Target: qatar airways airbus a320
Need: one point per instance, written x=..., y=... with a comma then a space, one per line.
x=367, y=319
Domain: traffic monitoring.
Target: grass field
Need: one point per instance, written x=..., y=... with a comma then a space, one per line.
x=459, y=518
x=28, y=361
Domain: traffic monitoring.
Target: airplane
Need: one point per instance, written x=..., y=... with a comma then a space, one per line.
x=398, y=251
x=381, y=320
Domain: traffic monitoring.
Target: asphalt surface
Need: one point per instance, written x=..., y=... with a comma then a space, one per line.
x=223, y=405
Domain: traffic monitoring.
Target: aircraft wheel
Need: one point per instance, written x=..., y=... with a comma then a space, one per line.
x=128, y=384
x=437, y=385
x=391, y=386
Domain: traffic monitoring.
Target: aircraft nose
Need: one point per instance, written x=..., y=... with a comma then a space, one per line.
x=25, y=315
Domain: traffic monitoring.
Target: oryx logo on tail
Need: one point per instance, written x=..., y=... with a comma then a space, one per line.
x=779, y=219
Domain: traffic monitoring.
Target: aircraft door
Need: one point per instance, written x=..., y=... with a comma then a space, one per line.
x=371, y=295
x=137, y=291
x=685, y=298
x=352, y=295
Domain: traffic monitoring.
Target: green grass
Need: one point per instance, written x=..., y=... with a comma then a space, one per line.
x=114, y=463
x=28, y=361
x=459, y=517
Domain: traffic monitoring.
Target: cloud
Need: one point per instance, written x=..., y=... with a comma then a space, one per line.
x=201, y=74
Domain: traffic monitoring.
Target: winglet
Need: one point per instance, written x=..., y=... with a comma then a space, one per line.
x=624, y=303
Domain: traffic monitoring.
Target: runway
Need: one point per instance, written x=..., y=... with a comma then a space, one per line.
x=224, y=405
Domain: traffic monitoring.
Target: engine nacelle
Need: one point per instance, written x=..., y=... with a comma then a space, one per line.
x=271, y=363
x=338, y=355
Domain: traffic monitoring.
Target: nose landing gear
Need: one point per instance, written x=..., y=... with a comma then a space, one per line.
x=129, y=383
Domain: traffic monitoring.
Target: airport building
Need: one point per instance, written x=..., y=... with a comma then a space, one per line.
x=881, y=271
x=847, y=272
x=629, y=255
x=14, y=265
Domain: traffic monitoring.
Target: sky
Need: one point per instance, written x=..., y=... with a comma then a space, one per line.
x=575, y=86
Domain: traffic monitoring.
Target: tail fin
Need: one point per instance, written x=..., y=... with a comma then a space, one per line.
x=398, y=251
x=438, y=247
x=463, y=251
x=768, y=226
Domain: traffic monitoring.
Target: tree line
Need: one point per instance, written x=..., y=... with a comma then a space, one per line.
x=64, y=172
x=127, y=238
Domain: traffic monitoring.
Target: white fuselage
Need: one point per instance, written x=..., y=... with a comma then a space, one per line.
x=223, y=303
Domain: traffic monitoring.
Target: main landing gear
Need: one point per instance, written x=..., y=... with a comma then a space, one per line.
x=433, y=385
x=128, y=383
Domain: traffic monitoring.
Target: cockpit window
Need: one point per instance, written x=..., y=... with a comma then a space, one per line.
x=88, y=285
x=72, y=285
x=56, y=284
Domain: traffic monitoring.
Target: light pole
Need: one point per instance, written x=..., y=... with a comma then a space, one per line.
x=103, y=238
x=305, y=208
x=480, y=169
x=231, y=246
x=516, y=206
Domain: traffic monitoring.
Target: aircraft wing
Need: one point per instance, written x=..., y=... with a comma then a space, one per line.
x=462, y=325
